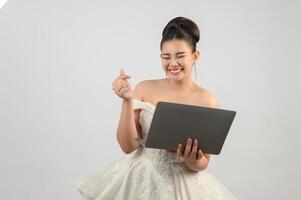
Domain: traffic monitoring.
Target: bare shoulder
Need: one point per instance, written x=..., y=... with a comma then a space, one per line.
x=209, y=98
x=143, y=87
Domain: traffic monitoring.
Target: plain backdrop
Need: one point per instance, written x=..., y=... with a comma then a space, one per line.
x=59, y=115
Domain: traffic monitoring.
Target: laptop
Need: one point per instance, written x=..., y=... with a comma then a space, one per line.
x=174, y=123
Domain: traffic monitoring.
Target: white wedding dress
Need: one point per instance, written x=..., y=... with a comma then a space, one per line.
x=150, y=174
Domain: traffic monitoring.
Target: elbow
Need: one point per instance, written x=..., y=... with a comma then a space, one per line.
x=129, y=149
x=126, y=146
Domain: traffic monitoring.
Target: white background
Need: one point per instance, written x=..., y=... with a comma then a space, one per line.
x=59, y=114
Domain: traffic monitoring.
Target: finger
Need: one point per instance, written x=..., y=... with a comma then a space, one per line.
x=126, y=83
x=188, y=147
x=116, y=86
x=116, y=82
x=120, y=84
x=125, y=76
x=194, y=150
x=125, y=91
x=179, y=150
x=121, y=88
x=122, y=92
x=200, y=154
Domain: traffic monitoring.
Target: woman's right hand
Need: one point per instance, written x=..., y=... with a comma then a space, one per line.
x=122, y=87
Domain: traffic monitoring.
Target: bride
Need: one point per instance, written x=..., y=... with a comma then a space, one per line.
x=158, y=174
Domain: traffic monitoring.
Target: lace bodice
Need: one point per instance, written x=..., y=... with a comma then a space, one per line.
x=155, y=155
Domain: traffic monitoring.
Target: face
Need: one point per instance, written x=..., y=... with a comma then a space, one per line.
x=177, y=59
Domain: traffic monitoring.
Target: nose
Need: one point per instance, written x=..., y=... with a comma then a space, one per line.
x=174, y=62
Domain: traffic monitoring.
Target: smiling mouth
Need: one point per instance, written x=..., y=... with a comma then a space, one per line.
x=176, y=70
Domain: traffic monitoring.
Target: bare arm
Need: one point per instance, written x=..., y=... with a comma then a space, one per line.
x=126, y=131
x=129, y=128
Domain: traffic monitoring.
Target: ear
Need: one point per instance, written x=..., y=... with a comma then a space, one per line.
x=196, y=56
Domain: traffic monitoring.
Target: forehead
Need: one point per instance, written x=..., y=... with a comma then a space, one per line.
x=175, y=46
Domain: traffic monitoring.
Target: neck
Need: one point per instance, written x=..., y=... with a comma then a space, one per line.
x=182, y=85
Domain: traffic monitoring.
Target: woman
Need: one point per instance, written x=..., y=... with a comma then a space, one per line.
x=153, y=174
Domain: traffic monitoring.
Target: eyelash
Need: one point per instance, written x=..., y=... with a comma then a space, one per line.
x=178, y=57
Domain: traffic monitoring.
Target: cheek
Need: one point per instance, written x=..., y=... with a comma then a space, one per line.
x=186, y=62
x=164, y=63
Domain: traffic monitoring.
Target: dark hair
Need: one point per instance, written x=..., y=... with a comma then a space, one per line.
x=181, y=28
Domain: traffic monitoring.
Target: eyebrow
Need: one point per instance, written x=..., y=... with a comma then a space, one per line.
x=181, y=52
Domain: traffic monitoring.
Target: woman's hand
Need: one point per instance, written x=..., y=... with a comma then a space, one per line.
x=122, y=87
x=193, y=158
x=190, y=155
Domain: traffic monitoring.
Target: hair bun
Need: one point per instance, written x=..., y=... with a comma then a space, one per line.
x=185, y=24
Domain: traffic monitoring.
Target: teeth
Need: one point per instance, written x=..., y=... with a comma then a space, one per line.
x=176, y=69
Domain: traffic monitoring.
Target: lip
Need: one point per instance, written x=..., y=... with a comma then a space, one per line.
x=181, y=68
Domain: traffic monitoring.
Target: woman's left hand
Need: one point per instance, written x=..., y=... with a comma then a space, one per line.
x=190, y=154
